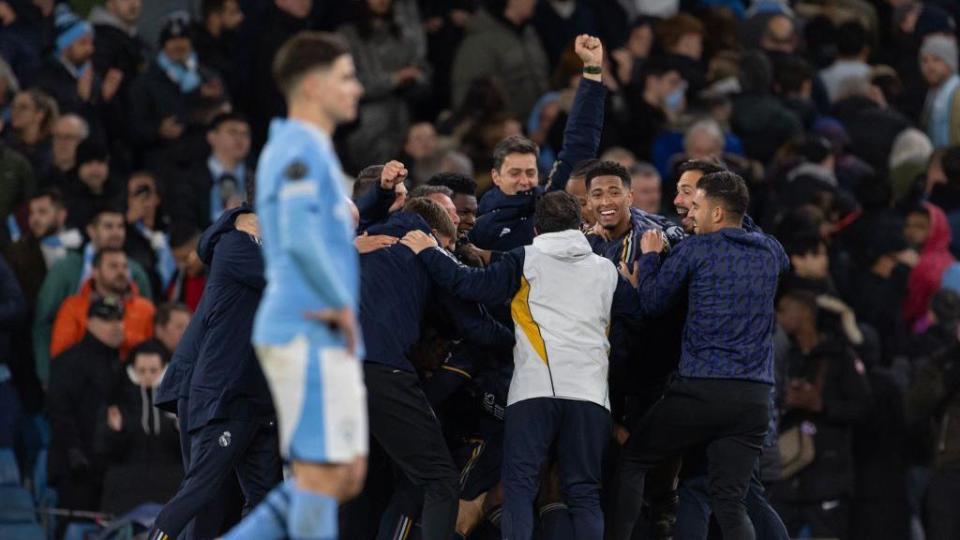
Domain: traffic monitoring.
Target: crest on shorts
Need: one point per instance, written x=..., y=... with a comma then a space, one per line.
x=224, y=440
x=295, y=171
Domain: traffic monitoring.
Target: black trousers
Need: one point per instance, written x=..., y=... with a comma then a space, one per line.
x=942, y=518
x=248, y=448
x=730, y=417
x=404, y=424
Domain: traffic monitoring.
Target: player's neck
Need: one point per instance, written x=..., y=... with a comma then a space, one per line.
x=311, y=115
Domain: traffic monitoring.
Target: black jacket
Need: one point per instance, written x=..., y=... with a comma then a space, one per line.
x=391, y=311
x=871, y=128
x=846, y=401
x=142, y=459
x=227, y=382
x=81, y=380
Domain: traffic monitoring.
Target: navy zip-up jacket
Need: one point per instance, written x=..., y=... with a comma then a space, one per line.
x=731, y=280
x=395, y=293
x=227, y=381
x=176, y=379
x=506, y=222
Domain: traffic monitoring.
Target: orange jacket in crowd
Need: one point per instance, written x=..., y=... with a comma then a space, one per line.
x=71, y=322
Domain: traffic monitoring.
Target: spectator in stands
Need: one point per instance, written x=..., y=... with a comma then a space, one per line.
x=48, y=243
x=140, y=443
x=146, y=241
x=188, y=283
x=80, y=385
x=68, y=132
x=281, y=20
x=219, y=183
x=31, y=121
x=393, y=71
x=927, y=231
x=658, y=100
x=9, y=86
x=216, y=38
x=90, y=186
x=110, y=279
x=501, y=43
x=67, y=276
x=117, y=46
x=69, y=76
x=681, y=37
x=172, y=94
x=170, y=324
x=759, y=118
x=420, y=151
x=933, y=403
x=18, y=183
x=941, y=114
x=826, y=395
x=853, y=50
x=793, y=80
x=869, y=121
x=645, y=185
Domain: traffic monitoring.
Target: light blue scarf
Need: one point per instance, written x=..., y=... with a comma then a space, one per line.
x=938, y=115
x=187, y=77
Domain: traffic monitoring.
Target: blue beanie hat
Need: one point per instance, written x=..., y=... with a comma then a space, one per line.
x=69, y=27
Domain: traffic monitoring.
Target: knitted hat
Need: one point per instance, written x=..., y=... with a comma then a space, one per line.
x=69, y=27
x=107, y=308
x=91, y=150
x=175, y=25
x=943, y=47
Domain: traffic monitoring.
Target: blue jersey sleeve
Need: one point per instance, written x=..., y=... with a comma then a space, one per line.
x=303, y=215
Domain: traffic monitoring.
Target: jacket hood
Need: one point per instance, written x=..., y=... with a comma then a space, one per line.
x=399, y=224
x=741, y=236
x=224, y=224
x=498, y=200
x=565, y=245
x=940, y=237
x=99, y=15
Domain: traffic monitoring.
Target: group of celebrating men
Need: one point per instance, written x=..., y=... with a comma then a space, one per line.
x=582, y=322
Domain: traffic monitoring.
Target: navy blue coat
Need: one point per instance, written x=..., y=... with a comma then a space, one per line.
x=227, y=381
x=175, y=385
x=396, y=292
x=506, y=222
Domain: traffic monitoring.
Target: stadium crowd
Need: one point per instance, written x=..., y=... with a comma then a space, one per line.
x=131, y=132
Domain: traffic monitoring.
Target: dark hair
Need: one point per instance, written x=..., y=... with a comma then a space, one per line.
x=427, y=190
x=814, y=148
x=514, y=144
x=366, y=180
x=461, y=184
x=950, y=163
x=851, y=38
x=803, y=244
x=607, y=168
x=303, y=53
x=225, y=117
x=580, y=169
x=182, y=234
x=434, y=214
x=105, y=209
x=54, y=194
x=804, y=297
x=98, y=256
x=658, y=66
x=151, y=346
x=165, y=312
x=557, y=211
x=704, y=166
x=729, y=188
x=790, y=73
x=209, y=7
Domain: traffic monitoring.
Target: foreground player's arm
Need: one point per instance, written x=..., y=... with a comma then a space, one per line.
x=302, y=217
x=495, y=284
x=661, y=282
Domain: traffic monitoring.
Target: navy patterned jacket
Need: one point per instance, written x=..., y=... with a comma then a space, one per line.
x=731, y=280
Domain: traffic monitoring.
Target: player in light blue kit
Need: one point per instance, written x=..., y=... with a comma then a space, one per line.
x=305, y=330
